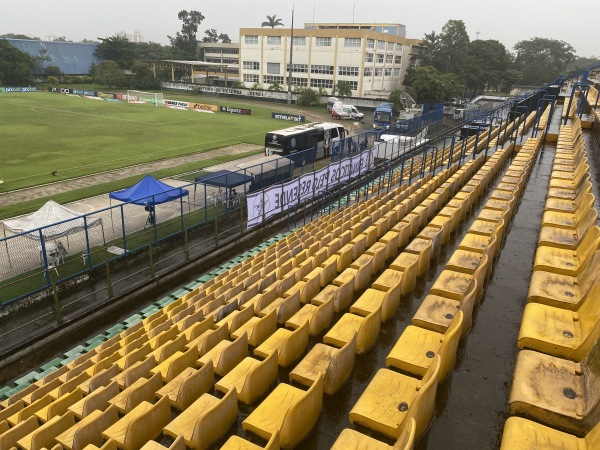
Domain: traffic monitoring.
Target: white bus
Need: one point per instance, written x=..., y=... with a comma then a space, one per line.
x=318, y=135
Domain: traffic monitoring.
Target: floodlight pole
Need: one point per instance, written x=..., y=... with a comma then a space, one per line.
x=289, y=81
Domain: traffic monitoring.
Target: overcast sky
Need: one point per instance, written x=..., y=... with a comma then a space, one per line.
x=507, y=21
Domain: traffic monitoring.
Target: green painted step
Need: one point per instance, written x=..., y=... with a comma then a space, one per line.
x=55, y=363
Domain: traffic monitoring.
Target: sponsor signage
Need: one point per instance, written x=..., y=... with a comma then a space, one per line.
x=229, y=109
x=18, y=89
x=292, y=117
x=175, y=103
x=83, y=92
x=105, y=95
x=281, y=197
x=203, y=107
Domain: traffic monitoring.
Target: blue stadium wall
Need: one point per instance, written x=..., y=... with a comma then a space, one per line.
x=73, y=58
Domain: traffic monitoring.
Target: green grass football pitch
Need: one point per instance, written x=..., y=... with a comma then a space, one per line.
x=45, y=132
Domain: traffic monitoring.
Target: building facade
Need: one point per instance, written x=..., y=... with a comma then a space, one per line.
x=372, y=62
x=221, y=53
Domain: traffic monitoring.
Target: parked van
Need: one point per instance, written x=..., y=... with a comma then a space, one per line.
x=331, y=101
x=341, y=111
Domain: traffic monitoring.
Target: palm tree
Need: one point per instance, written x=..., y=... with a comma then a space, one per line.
x=275, y=86
x=343, y=89
x=272, y=22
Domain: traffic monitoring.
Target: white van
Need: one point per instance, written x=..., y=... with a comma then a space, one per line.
x=341, y=111
x=331, y=101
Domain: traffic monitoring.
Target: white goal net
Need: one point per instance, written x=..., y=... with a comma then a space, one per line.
x=141, y=97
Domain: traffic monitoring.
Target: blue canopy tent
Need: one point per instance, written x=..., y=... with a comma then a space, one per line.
x=149, y=192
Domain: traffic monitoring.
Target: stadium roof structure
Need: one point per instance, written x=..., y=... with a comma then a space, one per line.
x=73, y=58
x=192, y=66
x=224, y=179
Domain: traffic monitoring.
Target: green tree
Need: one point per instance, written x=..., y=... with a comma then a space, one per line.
x=272, y=21
x=213, y=36
x=109, y=74
x=53, y=71
x=117, y=49
x=542, y=60
x=53, y=81
x=394, y=98
x=40, y=59
x=152, y=50
x=487, y=64
x=16, y=67
x=431, y=47
x=89, y=41
x=60, y=39
x=237, y=84
x=142, y=77
x=430, y=85
x=308, y=97
x=454, y=48
x=275, y=86
x=343, y=89
x=186, y=40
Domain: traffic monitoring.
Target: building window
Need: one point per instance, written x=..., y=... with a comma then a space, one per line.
x=270, y=79
x=323, y=42
x=353, y=85
x=398, y=48
x=381, y=45
x=378, y=71
x=273, y=68
x=299, y=40
x=348, y=71
x=328, y=70
x=396, y=71
x=232, y=51
x=230, y=61
x=397, y=59
x=297, y=81
x=388, y=71
x=298, y=68
x=251, y=65
x=319, y=82
x=368, y=57
x=251, y=40
x=368, y=72
x=213, y=60
x=250, y=78
x=212, y=50
x=370, y=43
x=380, y=57
x=352, y=42
x=273, y=40
x=389, y=59
x=235, y=71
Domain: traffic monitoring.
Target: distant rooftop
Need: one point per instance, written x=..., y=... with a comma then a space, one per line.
x=394, y=29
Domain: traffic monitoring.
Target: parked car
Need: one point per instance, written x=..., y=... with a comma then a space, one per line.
x=341, y=111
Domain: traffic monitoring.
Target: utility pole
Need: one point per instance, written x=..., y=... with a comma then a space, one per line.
x=289, y=81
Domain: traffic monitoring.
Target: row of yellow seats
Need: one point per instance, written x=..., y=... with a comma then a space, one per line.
x=556, y=376
x=392, y=399
x=130, y=398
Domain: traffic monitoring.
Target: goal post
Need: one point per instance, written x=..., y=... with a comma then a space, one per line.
x=141, y=97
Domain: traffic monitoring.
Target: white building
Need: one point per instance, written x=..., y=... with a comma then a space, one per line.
x=374, y=63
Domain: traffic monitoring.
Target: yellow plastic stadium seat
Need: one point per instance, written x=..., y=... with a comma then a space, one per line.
x=185, y=388
x=140, y=391
x=345, y=283
x=415, y=349
x=561, y=332
x=566, y=219
x=564, y=291
x=173, y=365
x=436, y=313
x=289, y=345
x=565, y=238
x=372, y=299
x=353, y=440
x=318, y=316
x=366, y=329
x=137, y=370
x=178, y=444
x=335, y=364
x=226, y=354
x=258, y=329
x=89, y=430
x=44, y=436
x=391, y=399
x=290, y=410
x=205, y=421
x=451, y=284
x=521, y=433
x=9, y=438
x=407, y=264
x=96, y=400
x=568, y=262
x=59, y=406
x=557, y=392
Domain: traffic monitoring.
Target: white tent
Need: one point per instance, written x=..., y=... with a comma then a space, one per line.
x=67, y=221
